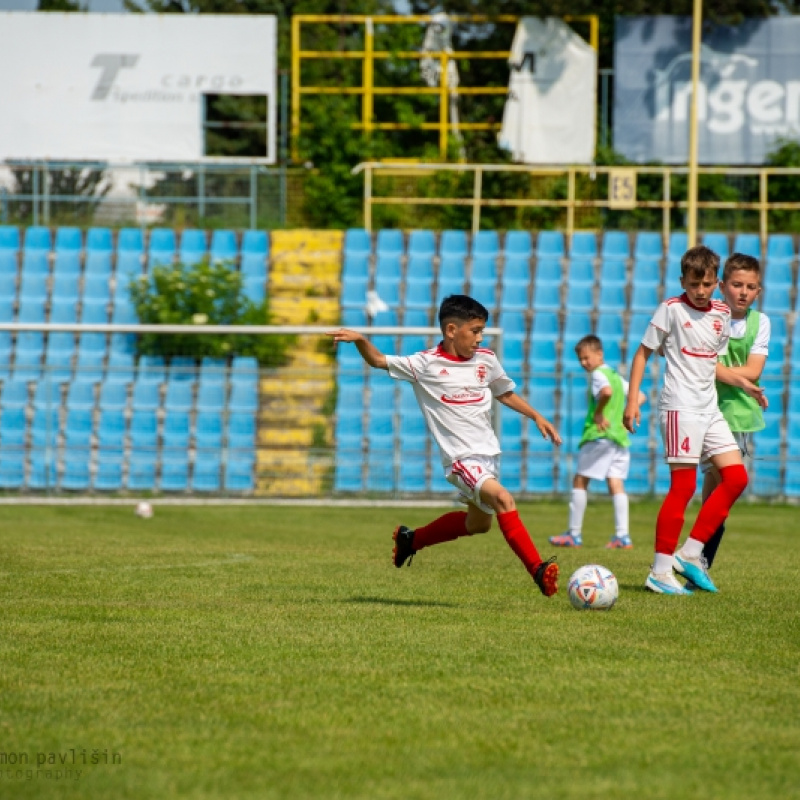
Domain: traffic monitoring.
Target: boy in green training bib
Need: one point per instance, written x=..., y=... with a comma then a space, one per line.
x=747, y=353
x=604, y=453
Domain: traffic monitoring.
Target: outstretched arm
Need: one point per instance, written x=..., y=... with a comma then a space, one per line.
x=751, y=370
x=368, y=351
x=521, y=406
x=632, y=415
x=736, y=378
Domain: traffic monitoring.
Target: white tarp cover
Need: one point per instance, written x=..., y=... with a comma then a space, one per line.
x=549, y=116
x=126, y=87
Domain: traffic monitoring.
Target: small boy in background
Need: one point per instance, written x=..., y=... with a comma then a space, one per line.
x=748, y=348
x=604, y=453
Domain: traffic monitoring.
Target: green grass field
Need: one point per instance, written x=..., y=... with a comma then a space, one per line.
x=274, y=652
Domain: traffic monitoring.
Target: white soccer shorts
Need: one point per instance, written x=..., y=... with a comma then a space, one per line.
x=468, y=475
x=602, y=459
x=691, y=438
x=746, y=442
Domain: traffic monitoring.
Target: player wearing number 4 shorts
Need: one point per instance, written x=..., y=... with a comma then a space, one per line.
x=692, y=332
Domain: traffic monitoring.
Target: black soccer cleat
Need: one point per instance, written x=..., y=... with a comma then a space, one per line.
x=404, y=546
x=546, y=577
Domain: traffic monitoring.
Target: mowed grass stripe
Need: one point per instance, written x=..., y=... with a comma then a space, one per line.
x=276, y=653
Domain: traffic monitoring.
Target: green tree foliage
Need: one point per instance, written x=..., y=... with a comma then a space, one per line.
x=204, y=294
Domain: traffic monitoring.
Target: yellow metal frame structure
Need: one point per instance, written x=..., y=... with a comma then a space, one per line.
x=369, y=55
x=572, y=202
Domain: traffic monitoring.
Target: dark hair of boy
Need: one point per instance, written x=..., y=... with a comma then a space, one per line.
x=591, y=341
x=740, y=261
x=697, y=261
x=461, y=308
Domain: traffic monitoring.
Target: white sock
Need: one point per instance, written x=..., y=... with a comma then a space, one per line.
x=577, y=508
x=620, y=502
x=692, y=548
x=662, y=565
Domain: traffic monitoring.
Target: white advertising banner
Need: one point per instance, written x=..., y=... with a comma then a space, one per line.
x=549, y=116
x=126, y=87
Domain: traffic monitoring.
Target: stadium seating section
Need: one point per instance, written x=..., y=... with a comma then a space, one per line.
x=82, y=412
x=546, y=293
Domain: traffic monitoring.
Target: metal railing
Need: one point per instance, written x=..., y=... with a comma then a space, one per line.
x=584, y=188
x=178, y=195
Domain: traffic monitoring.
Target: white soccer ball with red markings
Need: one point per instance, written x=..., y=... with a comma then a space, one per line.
x=144, y=510
x=593, y=587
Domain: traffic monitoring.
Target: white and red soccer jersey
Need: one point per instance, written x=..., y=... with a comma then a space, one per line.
x=455, y=396
x=692, y=340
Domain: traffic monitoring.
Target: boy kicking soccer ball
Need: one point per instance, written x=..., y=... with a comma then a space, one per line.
x=692, y=332
x=604, y=453
x=454, y=384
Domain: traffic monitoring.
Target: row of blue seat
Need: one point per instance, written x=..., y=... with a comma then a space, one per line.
x=583, y=244
x=113, y=470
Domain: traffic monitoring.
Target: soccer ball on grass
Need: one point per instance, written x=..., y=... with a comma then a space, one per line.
x=144, y=510
x=593, y=587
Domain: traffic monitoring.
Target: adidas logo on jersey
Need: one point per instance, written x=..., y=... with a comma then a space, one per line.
x=444, y=372
x=687, y=324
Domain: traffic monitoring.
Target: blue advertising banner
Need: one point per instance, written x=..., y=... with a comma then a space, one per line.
x=748, y=98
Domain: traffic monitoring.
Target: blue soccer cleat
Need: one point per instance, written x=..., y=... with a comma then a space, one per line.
x=619, y=543
x=664, y=584
x=694, y=570
x=566, y=540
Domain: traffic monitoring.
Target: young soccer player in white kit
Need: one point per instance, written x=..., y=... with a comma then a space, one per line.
x=691, y=331
x=455, y=383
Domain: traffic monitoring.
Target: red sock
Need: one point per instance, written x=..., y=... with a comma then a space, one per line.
x=519, y=540
x=682, y=483
x=445, y=529
x=716, y=508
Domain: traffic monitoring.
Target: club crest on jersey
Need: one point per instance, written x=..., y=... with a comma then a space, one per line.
x=481, y=373
x=717, y=324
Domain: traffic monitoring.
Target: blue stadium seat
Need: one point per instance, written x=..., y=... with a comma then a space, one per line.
x=98, y=264
x=550, y=244
x=241, y=430
x=206, y=472
x=613, y=272
x=583, y=245
x=28, y=356
x=616, y=246
x=380, y=470
x=78, y=428
x=576, y=326
x=113, y=396
x=355, y=267
x=549, y=270
x=12, y=468
x=546, y=326
x=37, y=237
x=213, y=371
x=486, y=243
x=80, y=396
x=419, y=295
x=182, y=368
x=224, y=247
x=33, y=287
x=99, y=240
x=518, y=243
x=390, y=243
x=36, y=251
x=179, y=396
x=58, y=357
x=388, y=266
x=421, y=244
x=239, y=473
x=255, y=289
x=452, y=268
x=546, y=296
x=244, y=398
x=44, y=427
x=719, y=243
x=413, y=468
x=778, y=274
x=211, y=396
x=672, y=284
x=517, y=272
x=96, y=288
x=8, y=292
x=513, y=324
x=193, y=246
x=485, y=292
x=14, y=394
x=43, y=469
x=514, y=297
x=776, y=300
x=143, y=429
x=581, y=271
x=151, y=368
x=9, y=238
x=175, y=431
x=580, y=297
x=748, y=244
x=120, y=366
x=388, y=289
x=419, y=269
x=354, y=293
x=540, y=471
x=108, y=477
x=780, y=247
x=484, y=268
x=146, y=396
x=244, y=366
x=357, y=240
x=453, y=243
x=648, y=247
x=142, y=470
x=609, y=325
x=646, y=271
x=130, y=254
x=161, y=248
x=447, y=287
x=67, y=264
x=678, y=245
x=69, y=238
x=111, y=429
x=612, y=297
x=90, y=363
x=208, y=430
x=95, y=312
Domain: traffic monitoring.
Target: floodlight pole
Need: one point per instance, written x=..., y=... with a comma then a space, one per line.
x=697, y=24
